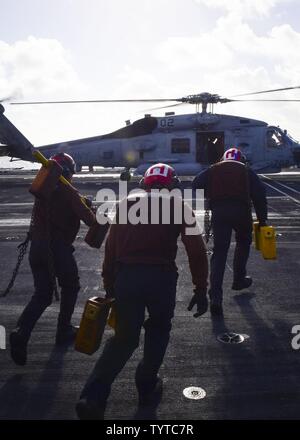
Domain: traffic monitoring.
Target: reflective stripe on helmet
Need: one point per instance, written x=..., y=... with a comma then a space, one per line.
x=232, y=154
x=161, y=170
x=159, y=173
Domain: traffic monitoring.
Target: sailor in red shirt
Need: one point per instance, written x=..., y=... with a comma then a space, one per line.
x=230, y=187
x=139, y=271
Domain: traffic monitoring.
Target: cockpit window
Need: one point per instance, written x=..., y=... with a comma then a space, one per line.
x=274, y=139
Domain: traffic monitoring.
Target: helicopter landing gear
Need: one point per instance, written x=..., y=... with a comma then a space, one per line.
x=125, y=175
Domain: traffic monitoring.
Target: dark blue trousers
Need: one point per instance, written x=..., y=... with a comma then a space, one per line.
x=137, y=288
x=67, y=274
x=226, y=217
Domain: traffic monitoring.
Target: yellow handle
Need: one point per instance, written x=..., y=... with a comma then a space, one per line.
x=44, y=161
x=40, y=157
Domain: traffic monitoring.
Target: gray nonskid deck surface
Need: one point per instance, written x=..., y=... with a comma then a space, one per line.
x=258, y=379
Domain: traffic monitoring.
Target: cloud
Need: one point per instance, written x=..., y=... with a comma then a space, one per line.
x=41, y=69
x=136, y=83
x=233, y=58
x=37, y=68
x=245, y=8
x=281, y=43
x=232, y=46
x=203, y=52
x=229, y=58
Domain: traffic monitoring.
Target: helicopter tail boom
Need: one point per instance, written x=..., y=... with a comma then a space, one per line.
x=14, y=143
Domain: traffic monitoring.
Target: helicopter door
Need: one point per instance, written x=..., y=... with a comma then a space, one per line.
x=209, y=147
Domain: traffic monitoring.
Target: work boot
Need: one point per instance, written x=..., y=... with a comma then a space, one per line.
x=89, y=410
x=18, y=347
x=66, y=335
x=216, y=309
x=152, y=397
x=242, y=284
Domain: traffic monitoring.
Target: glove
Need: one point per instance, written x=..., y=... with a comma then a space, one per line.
x=200, y=299
x=88, y=202
x=109, y=293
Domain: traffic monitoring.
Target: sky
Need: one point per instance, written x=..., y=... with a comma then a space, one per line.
x=110, y=49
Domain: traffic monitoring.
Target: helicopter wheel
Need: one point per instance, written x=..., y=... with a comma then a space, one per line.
x=125, y=176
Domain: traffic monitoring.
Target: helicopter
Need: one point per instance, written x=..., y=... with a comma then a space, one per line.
x=188, y=142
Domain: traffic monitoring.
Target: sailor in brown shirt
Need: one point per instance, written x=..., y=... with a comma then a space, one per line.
x=140, y=272
x=56, y=224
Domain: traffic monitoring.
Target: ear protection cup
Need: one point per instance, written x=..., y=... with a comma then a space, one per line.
x=66, y=173
x=142, y=183
x=66, y=162
x=176, y=182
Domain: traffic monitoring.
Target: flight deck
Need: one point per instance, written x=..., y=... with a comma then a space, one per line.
x=258, y=378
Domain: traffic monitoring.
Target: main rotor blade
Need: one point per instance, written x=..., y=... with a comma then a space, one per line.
x=165, y=106
x=7, y=98
x=267, y=91
x=265, y=100
x=93, y=101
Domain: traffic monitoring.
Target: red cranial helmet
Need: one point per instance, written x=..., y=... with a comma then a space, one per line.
x=233, y=154
x=66, y=162
x=161, y=175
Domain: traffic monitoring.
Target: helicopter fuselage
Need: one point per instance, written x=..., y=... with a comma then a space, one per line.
x=189, y=143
